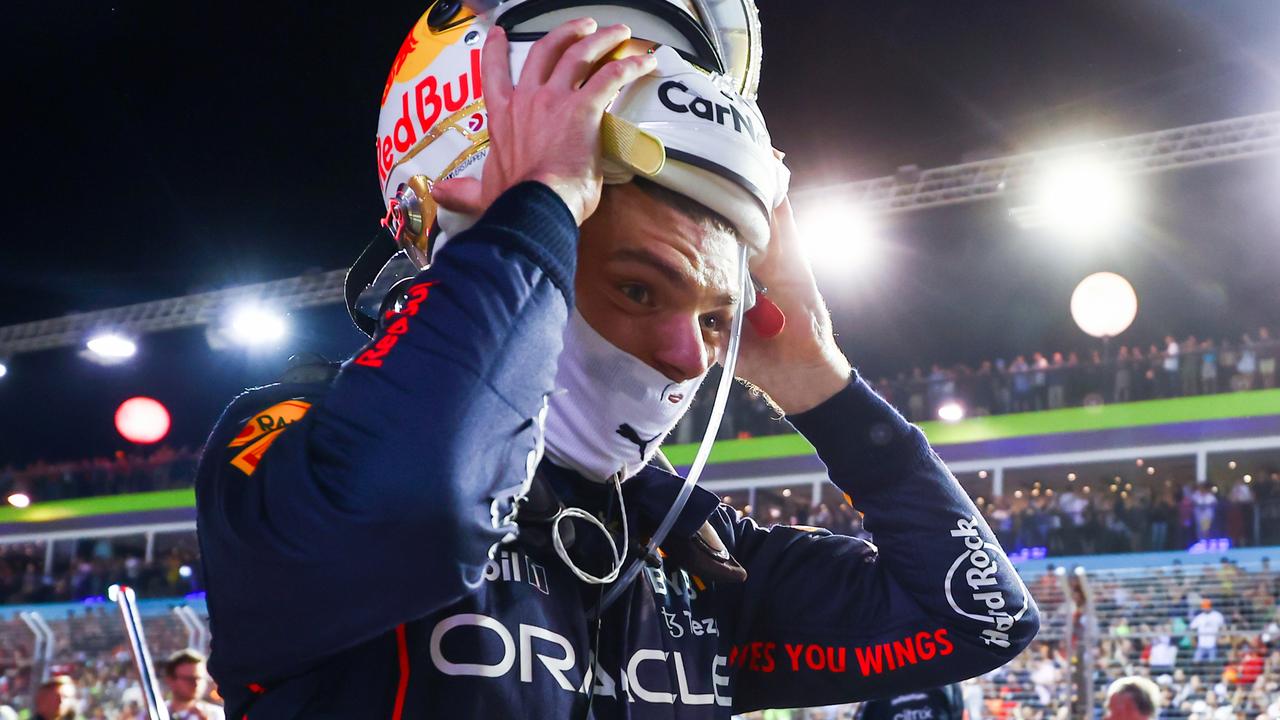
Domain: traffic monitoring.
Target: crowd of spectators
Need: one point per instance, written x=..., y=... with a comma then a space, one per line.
x=1209, y=638
x=164, y=468
x=93, y=659
x=1026, y=383
x=91, y=570
x=1056, y=380
x=1040, y=381
x=1113, y=517
x=1107, y=515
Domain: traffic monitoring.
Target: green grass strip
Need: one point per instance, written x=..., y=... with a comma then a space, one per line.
x=1000, y=427
x=104, y=505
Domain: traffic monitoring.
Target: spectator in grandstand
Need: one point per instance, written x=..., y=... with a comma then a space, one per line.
x=1189, y=366
x=1057, y=381
x=1246, y=366
x=1268, y=350
x=1132, y=698
x=56, y=699
x=1039, y=381
x=1020, y=371
x=944, y=703
x=917, y=388
x=1205, y=503
x=1207, y=624
x=1163, y=655
x=1208, y=368
x=184, y=673
x=1171, y=352
x=1123, y=384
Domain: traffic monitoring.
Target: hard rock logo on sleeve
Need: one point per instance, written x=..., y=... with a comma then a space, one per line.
x=980, y=586
x=258, y=434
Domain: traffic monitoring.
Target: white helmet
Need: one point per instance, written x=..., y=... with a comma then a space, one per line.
x=692, y=126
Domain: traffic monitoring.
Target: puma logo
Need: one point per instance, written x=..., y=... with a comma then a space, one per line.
x=631, y=435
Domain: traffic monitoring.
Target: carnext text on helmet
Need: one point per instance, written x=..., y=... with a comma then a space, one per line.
x=702, y=107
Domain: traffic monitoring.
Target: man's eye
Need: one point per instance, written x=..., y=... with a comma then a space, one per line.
x=715, y=323
x=636, y=293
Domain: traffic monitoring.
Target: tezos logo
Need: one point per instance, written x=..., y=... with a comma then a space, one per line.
x=974, y=578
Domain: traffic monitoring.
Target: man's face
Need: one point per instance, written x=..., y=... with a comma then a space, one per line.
x=56, y=702
x=1120, y=707
x=187, y=682
x=656, y=284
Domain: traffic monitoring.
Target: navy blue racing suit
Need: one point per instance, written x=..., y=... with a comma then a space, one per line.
x=361, y=562
x=943, y=703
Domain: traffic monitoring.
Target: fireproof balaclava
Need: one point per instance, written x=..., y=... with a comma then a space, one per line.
x=610, y=411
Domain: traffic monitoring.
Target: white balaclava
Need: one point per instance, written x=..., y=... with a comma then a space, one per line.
x=611, y=410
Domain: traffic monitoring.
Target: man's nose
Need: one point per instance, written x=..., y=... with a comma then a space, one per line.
x=681, y=353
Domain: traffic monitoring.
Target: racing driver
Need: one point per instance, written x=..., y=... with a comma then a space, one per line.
x=460, y=521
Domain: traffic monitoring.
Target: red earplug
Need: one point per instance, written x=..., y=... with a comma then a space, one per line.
x=766, y=318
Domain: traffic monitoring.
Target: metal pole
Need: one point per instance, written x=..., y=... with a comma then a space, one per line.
x=50, y=644
x=48, y=558
x=180, y=612
x=1069, y=650
x=125, y=598
x=150, y=555
x=997, y=482
x=203, y=636
x=1088, y=639
x=37, y=652
x=1202, y=466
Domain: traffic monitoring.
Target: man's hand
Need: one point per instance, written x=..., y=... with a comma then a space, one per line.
x=547, y=126
x=801, y=366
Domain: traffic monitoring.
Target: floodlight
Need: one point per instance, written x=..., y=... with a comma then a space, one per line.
x=951, y=412
x=19, y=499
x=256, y=325
x=839, y=236
x=1078, y=196
x=110, y=346
x=4, y=369
x=1104, y=305
x=142, y=420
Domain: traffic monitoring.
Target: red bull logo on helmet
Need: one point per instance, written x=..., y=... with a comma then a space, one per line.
x=435, y=74
x=420, y=106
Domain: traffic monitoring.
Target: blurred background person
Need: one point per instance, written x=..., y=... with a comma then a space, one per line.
x=188, y=682
x=1132, y=698
x=56, y=699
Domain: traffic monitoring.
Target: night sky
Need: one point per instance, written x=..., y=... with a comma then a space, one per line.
x=155, y=149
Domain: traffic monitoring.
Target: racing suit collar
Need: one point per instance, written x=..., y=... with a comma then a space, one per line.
x=648, y=495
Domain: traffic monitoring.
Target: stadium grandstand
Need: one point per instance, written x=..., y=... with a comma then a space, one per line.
x=1121, y=441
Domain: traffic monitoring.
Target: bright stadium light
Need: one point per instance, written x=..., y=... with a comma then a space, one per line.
x=142, y=420
x=839, y=236
x=1104, y=305
x=19, y=499
x=4, y=369
x=112, y=347
x=256, y=325
x=1081, y=196
x=951, y=411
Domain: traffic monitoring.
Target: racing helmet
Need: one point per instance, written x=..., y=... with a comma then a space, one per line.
x=692, y=126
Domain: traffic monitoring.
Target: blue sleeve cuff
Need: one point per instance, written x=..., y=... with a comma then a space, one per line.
x=861, y=438
x=535, y=221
